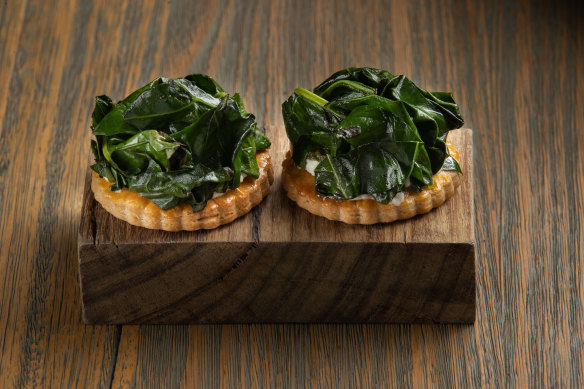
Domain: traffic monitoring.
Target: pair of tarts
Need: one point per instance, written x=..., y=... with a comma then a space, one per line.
x=367, y=147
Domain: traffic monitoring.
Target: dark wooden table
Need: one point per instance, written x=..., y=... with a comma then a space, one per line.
x=516, y=68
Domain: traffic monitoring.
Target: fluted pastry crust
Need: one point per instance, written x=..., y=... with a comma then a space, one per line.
x=299, y=184
x=140, y=211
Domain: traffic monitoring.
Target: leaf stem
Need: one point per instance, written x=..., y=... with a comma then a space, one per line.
x=339, y=183
x=310, y=96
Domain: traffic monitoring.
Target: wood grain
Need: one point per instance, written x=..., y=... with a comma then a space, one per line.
x=514, y=67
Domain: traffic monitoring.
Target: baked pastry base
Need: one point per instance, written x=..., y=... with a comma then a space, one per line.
x=142, y=212
x=299, y=184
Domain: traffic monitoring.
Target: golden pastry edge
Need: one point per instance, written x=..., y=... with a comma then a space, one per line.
x=140, y=211
x=299, y=185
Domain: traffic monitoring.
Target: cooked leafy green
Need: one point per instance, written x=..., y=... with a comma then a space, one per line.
x=176, y=140
x=371, y=132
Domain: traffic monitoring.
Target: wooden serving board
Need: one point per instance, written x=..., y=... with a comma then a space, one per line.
x=281, y=264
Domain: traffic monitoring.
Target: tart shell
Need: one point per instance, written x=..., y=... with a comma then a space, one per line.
x=140, y=211
x=299, y=184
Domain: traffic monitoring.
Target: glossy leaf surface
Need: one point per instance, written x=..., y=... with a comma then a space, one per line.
x=371, y=131
x=176, y=140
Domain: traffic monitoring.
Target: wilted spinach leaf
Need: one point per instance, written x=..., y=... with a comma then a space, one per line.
x=176, y=140
x=103, y=106
x=375, y=131
x=380, y=172
x=367, y=76
x=149, y=143
x=337, y=177
x=207, y=84
x=168, y=101
x=451, y=164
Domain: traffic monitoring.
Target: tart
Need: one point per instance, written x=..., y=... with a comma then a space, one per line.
x=178, y=154
x=299, y=185
x=370, y=147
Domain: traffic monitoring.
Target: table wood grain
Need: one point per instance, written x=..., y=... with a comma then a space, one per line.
x=515, y=67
